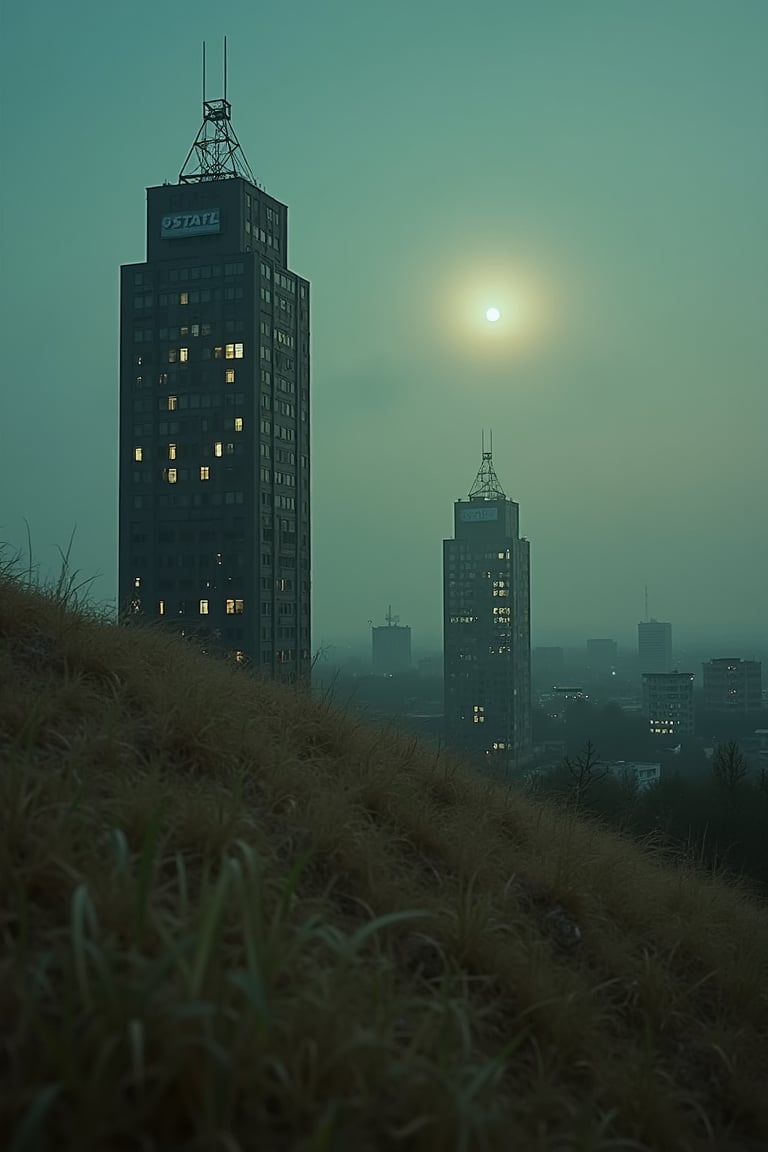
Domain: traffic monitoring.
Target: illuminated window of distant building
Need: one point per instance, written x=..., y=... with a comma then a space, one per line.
x=161, y=608
x=171, y=451
x=218, y=448
x=239, y=657
x=183, y=297
x=171, y=474
x=238, y=423
x=218, y=352
x=205, y=473
x=173, y=403
x=238, y=351
x=183, y=355
x=230, y=376
x=203, y=607
x=138, y=455
x=137, y=581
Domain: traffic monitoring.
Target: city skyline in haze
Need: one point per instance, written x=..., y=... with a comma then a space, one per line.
x=593, y=171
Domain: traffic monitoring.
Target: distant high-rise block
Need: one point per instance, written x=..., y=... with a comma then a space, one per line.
x=654, y=646
x=486, y=625
x=214, y=414
x=391, y=647
x=733, y=685
x=668, y=703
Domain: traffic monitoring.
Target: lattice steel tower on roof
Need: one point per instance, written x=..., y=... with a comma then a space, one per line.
x=216, y=153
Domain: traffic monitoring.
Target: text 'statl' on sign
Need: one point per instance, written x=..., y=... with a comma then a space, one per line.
x=182, y=224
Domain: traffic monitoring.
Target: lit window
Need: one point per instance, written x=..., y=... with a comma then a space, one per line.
x=234, y=607
x=171, y=451
x=161, y=608
x=137, y=581
x=239, y=657
x=230, y=376
x=183, y=297
x=203, y=607
x=138, y=455
x=229, y=351
x=205, y=472
x=238, y=351
x=238, y=423
x=183, y=355
x=173, y=403
x=171, y=475
x=218, y=352
x=218, y=448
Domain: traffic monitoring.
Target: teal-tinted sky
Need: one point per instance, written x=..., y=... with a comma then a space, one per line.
x=597, y=168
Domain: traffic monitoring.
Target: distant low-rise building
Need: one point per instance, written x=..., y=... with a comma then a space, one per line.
x=668, y=703
x=733, y=685
x=643, y=773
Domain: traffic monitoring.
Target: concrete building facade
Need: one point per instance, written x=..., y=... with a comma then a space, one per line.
x=668, y=703
x=733, y=685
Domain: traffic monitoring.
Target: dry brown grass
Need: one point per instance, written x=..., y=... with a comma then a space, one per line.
x=233, y=919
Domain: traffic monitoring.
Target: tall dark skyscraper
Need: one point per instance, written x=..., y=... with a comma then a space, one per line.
x=214, y=414
x=486, y=625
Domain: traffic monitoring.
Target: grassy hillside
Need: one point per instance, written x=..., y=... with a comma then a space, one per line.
x=233, y=919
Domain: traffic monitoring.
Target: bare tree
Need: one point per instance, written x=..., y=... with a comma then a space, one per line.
x=585, y=771
x=728, y=766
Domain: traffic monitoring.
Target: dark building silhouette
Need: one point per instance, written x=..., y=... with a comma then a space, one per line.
x=486, y=625
x=733, y=685
x=391, y=647
x=214, y=414
x=668, y=703
x=654, y=646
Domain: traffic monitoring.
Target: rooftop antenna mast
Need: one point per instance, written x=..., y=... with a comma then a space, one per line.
x=487, y=485
x=216, y=153
x=646, y=603
x=390, y=619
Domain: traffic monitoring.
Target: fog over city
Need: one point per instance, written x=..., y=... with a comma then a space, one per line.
x=594, y=171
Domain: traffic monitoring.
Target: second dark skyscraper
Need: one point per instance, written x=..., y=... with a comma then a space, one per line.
x=486, y=625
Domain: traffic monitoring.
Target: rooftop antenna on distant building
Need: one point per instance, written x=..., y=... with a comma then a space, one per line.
x=390, y=619
x=646, y=602
x=487, y=485
x=216, y=153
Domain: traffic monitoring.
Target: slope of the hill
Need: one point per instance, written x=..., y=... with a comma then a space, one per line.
x=233, y=919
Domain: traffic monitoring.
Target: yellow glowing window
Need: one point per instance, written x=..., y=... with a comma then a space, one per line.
x=218, y=448
x=238, y=423
x=229, y=351
x=218, y=352
x=183, y=355
x=173, y=403
x=234, y=607
x=205, y=472
x=238, y=351
x=239, y=657
x=171, y=451
x=137, y=581
x=203, y=607
x=138, y=455
x=183, y=297
x=171, y=475
x=161, y=608
x=230, y=376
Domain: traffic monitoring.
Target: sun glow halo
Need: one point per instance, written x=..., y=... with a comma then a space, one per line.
x=492, y=314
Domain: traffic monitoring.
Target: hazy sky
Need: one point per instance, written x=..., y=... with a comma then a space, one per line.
x=596, y=168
